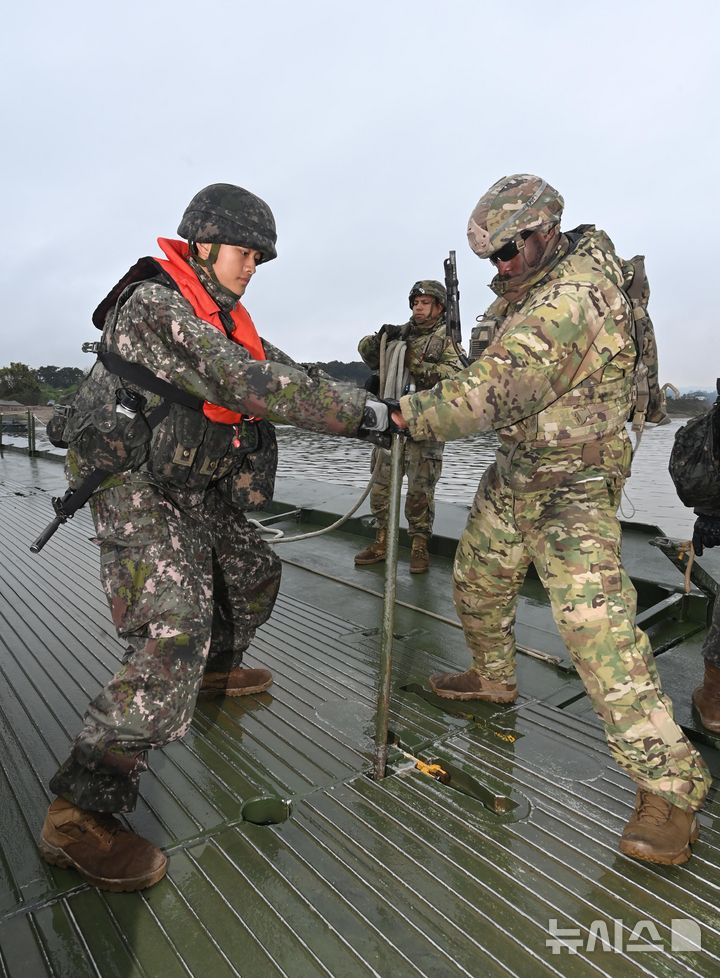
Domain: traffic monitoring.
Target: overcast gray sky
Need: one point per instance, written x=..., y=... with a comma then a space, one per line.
x=371, y=130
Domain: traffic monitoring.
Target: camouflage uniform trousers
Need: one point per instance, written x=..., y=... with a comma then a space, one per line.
x=187, y=590
x=572, y=535
x=422, y=464
x=711, y=647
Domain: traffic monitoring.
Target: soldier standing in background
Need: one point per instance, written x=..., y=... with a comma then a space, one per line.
x=430, y=358
x=558, y=383
x=188, y=579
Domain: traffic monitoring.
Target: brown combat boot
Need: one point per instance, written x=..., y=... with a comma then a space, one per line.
x=659, y=832
x=237, y=682
x=419, y=556
x=99, y=848
x=374, y=553
x=471, y=685
x=706, y=698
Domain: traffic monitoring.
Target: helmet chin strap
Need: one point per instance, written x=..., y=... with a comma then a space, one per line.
x=208, y=265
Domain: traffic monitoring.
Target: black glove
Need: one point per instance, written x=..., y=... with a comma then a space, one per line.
x=392, y=332
x=706, y=533
x=372, y=385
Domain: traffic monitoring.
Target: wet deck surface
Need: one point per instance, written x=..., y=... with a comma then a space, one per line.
x=403, y=877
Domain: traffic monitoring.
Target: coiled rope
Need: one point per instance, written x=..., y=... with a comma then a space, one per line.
x=394, y=377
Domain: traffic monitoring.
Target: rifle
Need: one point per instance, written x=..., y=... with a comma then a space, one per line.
x=452, y=312
x=67, y=505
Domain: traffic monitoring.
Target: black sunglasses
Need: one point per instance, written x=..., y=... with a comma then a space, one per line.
x=509, y=250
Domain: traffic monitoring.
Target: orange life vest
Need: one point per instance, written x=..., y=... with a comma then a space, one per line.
x=205, y=307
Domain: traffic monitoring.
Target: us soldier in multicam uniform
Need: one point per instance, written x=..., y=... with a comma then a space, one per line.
x=430, y=358
x=557, y=384
x=187, y=577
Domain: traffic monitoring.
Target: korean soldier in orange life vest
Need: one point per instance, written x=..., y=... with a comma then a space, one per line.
x=187, y=577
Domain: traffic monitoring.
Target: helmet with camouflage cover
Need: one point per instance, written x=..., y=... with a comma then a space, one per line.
x=521, y=202
x=225, y=214
x=428, y=286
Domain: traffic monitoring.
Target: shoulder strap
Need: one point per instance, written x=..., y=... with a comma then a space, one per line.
x=144, y=377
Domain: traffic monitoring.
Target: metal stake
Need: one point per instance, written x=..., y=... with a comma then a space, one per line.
x=31, y=432
x=388, y=615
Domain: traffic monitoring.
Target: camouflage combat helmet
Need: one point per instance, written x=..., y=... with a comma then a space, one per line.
x=521, y=202
x=429, y=287
x=225, y=214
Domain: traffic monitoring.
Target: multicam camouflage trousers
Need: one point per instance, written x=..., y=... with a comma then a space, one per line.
x=187, y=590
x=572, y=535
x=422, y=464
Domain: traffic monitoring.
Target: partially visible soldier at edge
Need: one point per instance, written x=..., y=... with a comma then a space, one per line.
x=187, y=578
x=706, y=697
x=430, y=358
x=558, y=384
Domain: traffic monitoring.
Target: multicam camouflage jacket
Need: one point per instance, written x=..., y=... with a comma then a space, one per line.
x=558, y=376
x=157, y=328
x=430, y=354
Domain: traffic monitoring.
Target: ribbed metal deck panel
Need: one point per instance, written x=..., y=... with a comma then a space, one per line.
x=404, y=877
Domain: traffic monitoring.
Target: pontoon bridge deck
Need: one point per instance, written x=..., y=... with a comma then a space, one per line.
x=400, y=878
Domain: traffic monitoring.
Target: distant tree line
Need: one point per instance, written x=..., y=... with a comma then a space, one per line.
x=18, y=382
x=21, y=383
x=690, y=404
x=355, y=372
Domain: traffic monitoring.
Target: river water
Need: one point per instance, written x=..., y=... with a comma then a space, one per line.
x=649, y=493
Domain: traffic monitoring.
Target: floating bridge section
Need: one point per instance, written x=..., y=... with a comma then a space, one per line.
x=401, y=878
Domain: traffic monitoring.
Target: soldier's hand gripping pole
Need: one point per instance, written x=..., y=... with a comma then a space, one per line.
x=388, y=614
x=452, y=313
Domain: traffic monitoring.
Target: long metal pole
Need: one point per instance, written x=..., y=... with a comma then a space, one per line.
x=388, y=614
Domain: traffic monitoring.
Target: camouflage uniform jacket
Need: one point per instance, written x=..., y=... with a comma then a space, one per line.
x=158, y=329
x=430, y=358
x=557, y=380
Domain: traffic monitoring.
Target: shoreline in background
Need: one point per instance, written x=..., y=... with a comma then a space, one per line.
x=649, y=494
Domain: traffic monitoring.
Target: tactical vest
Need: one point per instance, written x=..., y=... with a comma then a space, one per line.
x=179, y=440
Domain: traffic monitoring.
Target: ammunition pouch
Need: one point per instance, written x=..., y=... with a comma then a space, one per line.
x=187, y=449
x=434, y=350
x=104, y=438
x=482, y=335
x=251, y=483
x=55, y=427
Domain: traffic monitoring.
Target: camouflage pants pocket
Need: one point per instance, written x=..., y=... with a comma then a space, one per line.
x=155, y=564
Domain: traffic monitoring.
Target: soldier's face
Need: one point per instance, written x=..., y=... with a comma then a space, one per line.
x=527, y=258
x=234, y=266
x=425, y=308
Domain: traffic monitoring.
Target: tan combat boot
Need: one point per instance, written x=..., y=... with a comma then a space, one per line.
x=419, y=556
x=658, y=831
x=99, y=848
x=374, y=553
x=707, y=698
x=237, y=682
x=471, y=685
